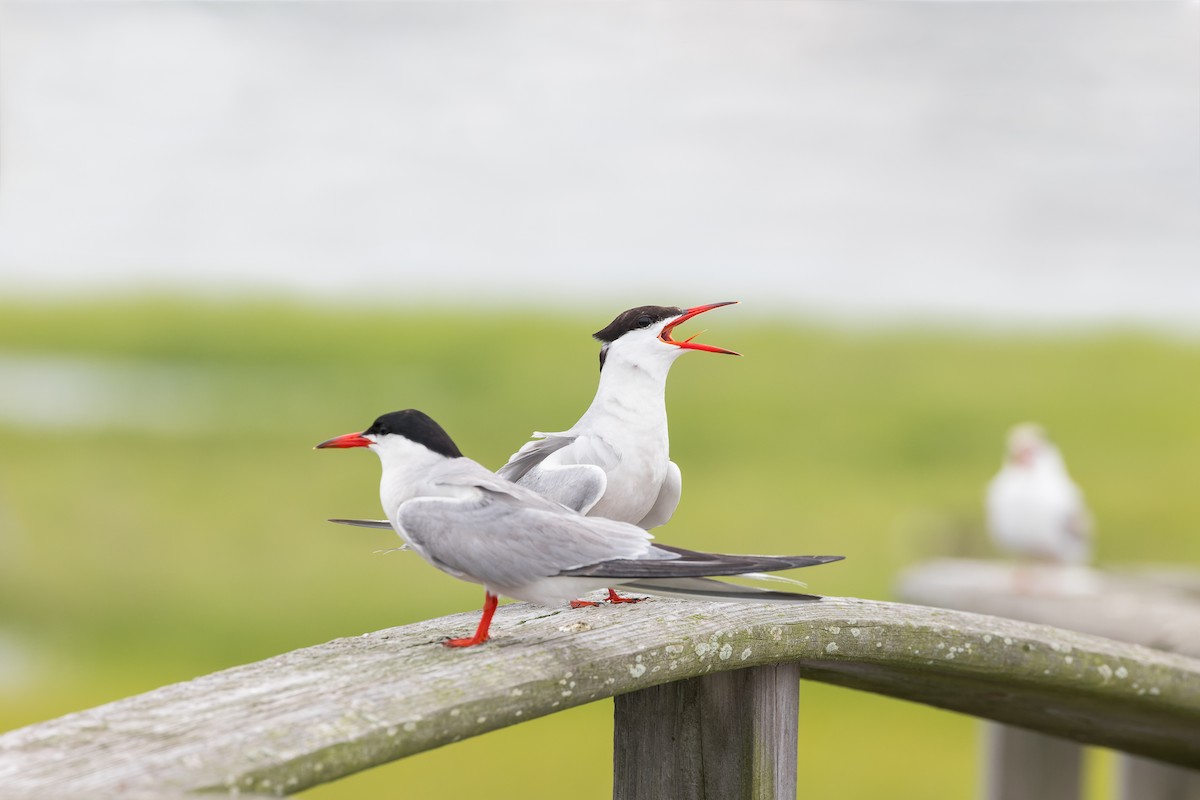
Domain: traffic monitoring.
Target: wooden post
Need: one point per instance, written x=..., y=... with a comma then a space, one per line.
x=731, y=735
x=1149, y=607
x=1025, y=765
x=1146, y=779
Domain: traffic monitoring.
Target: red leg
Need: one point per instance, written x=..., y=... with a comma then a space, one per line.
x=613, y=597
x=481, y=633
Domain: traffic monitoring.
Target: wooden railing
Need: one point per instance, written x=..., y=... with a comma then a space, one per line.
x=1156, y=608
x=706, y=697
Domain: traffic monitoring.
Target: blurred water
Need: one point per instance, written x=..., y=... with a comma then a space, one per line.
x=987, y=161
x=60, y=395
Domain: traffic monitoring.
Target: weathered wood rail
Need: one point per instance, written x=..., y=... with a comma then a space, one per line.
x=1155, y=608
x=302, y=718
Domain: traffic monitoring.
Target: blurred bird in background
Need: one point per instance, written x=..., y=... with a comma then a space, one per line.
x=1034, y=510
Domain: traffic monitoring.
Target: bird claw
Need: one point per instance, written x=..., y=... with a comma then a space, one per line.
x=613, y=598
x=469, y=641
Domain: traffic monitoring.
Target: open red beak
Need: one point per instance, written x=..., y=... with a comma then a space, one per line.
x=687, y=343
x=346, y=440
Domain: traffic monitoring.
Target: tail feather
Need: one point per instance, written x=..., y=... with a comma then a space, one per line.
x=364, y=523
x=691, y=563
x=691, y=588
x=763, y=576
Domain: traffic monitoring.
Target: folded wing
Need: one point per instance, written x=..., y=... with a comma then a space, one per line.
x=504, y=540
x=532, y=454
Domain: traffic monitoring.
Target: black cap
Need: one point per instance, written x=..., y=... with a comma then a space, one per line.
x=635, y=319
x=416, y=426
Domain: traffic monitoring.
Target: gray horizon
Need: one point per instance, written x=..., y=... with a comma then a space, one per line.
x=988, y=162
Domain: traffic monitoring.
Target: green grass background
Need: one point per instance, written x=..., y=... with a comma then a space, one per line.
x=190, y=535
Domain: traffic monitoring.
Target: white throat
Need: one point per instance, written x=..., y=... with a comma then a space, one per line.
x=406, y=470
x=632, y=392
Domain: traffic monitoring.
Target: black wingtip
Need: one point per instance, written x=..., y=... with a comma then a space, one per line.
x=694, y=564
x=801, y=561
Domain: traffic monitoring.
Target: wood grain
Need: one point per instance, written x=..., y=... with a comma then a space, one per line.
x=1154, y=606
x=302, y=718
x=731, y=735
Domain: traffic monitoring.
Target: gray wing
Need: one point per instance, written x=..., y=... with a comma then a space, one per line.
x=1079, y=522
x=498, y=538
x=532, y=454
x=576, y=486
x=1078, y=528
x=668, y=499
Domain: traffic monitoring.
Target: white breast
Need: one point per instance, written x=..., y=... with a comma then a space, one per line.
x=1037, y=514
x=634, y=461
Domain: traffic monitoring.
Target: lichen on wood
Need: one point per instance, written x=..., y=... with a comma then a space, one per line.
x=313, y=715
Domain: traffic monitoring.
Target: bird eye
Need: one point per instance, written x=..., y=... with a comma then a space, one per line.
x=644, y=321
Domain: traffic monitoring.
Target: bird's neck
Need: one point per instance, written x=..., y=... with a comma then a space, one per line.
x=631, y=395
x=1047, y=467
x=406, y=473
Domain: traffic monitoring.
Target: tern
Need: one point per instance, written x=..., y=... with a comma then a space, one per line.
x=615, y=461
x=478, y=527
x=1034, y=509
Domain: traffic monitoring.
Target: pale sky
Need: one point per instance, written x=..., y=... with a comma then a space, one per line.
x=996, y=161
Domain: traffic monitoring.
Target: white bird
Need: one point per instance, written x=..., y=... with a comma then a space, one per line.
x=615, y=461
x=478, y=527
x=1034, y=509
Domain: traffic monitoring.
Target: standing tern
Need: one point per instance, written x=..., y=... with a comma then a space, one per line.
x=479, y=527
x=615, y=461
x=1034, y=509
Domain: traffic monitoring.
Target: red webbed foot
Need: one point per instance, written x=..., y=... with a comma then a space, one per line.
x=481, y=633
x=613, y=598
x=469, y=641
